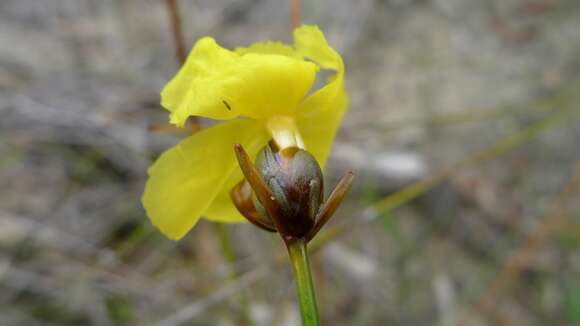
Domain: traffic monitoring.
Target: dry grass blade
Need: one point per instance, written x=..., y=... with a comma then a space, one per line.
x=503, y=146
x=477, y=115
x=523, y=256
x=190, y=311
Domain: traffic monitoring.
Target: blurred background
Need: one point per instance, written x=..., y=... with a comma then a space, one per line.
x=462, y=130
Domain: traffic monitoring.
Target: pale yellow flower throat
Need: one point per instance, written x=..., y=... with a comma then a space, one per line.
x=284, y=132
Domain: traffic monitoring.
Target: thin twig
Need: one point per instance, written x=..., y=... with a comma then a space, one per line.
x=295, y=13
x=176, y=30
x=180, y=50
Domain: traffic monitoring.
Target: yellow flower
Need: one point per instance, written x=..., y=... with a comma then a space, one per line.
x=264, y=91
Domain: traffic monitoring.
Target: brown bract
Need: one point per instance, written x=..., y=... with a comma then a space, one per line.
x=288, y=191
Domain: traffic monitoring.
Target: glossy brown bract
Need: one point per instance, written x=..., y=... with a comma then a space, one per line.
x=295, y=179
x=287, y=194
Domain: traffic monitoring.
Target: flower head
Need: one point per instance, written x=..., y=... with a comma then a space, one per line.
x=265, y=91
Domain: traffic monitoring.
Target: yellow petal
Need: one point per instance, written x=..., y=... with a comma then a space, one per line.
x=319, y=116
x=221, y=84
x=271, y=48
x=310, y=42
x=222, y=209
x=186, y=179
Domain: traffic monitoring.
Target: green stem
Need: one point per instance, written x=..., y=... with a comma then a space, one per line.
x=304, y=285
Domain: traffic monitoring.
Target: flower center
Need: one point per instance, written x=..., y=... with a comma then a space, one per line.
x=284, y=132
